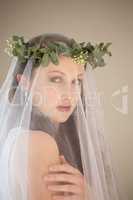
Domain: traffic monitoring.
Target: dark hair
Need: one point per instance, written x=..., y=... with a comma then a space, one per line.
x=67, y=136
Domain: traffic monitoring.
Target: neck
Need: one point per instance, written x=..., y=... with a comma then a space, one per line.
x=55, y=124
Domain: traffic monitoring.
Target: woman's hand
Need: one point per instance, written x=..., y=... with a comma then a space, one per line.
x=75, y=185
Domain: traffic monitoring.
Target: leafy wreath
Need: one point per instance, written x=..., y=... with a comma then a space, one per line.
x=81, y=53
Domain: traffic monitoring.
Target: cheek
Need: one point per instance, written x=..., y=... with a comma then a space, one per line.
x=51, y=95
x=76, y=94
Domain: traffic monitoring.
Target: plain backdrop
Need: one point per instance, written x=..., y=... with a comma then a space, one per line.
x=95, y=21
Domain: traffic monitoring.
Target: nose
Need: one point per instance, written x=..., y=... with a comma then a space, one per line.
x=67, y=93
x=66, y=99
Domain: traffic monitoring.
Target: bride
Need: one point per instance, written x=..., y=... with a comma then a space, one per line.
x=51, y=139
x=56, y=86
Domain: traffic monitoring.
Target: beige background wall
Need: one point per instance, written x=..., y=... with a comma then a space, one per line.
x=95, y=21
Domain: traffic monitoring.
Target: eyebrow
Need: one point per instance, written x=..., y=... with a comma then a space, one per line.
x=62, y=72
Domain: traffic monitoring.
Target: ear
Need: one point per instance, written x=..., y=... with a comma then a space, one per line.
x=23, y=81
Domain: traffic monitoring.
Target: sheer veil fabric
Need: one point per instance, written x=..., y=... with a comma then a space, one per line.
x=85, y=148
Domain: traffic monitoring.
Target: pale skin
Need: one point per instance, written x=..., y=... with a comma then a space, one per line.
x=59, y=85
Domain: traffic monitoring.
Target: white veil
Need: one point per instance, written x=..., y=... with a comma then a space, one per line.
x=15, y=121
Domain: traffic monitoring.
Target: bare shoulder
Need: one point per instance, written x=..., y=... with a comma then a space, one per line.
x=43, y=139
x=44, y=147
x=43, y=153
x=41, y=145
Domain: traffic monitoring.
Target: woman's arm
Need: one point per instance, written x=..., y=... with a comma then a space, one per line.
x=43, y=152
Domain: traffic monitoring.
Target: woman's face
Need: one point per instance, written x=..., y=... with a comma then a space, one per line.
x=55, y=92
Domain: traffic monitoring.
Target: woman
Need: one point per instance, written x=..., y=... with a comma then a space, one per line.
x=46, y=126
x=56, y=86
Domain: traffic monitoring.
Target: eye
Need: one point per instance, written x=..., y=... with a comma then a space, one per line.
x=56, y=79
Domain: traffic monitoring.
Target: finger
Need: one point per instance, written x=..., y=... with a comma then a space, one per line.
x=63, y=160
x=64, y=178
x=64, y=168
x=68, y=197
x=65, y=188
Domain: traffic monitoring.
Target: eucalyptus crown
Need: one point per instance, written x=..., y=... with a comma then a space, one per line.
x=81, y=53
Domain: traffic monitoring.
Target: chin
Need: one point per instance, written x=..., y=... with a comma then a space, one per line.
x=62, y=119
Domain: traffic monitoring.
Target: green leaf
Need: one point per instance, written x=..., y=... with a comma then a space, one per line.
x=76, y=45
x=54, y=58
x=67, y=52
x=43, y=50
x=45, y=59
x=82, y=44
x=101, y=62
x=108, y=44
x=17, y=39
x=51, y=45
x=61, y=47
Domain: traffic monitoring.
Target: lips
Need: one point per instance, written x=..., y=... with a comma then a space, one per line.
x=64, y=108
